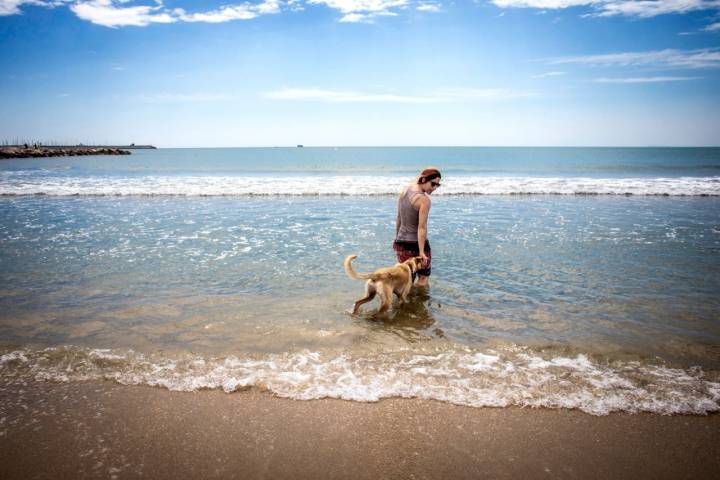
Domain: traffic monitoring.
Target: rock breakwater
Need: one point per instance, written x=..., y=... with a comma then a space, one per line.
x=35, y=152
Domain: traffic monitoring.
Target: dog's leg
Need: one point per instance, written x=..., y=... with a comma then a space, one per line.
x=406, y=291
x=386, y=296
x=369, y=295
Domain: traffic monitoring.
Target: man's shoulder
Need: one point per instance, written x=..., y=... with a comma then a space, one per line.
x=421, y=199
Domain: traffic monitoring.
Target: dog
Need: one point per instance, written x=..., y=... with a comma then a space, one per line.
x=384, y=281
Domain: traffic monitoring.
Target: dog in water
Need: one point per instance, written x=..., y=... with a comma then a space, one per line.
x=385, y=281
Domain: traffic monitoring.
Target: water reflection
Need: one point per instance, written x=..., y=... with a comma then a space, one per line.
x=411, y=321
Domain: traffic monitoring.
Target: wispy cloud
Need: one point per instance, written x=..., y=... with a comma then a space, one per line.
x=346, y=96
x=691, y=59
x=364, y=17
x=607, y=8
x=429, y=7
x=12, y=7
x=548, y=74
x=652, y=8
x=541, y=4
x=713, y=27
x=644, y=79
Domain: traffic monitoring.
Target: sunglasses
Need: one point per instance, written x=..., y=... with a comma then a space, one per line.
x=435, y=184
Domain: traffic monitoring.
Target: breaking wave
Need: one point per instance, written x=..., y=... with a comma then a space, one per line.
x=492, y=378
x=24, y=183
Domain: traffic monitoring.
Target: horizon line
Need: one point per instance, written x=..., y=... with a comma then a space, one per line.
x=445, y=146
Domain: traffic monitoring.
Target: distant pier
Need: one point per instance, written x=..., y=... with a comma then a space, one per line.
x=132, y=146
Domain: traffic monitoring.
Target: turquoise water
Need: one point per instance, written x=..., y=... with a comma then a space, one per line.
x=154, y=270
x=597, y=162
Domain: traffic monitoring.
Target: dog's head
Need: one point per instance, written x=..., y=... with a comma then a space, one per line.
x=415, y=263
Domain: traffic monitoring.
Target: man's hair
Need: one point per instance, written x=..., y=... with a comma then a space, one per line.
x=428, y=174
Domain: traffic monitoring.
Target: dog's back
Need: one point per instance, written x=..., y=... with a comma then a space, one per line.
x=379, y=274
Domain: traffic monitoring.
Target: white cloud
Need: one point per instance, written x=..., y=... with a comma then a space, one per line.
x=357, y=18
x=10, y=7
x=227, y=13
x=103, y=12
x=548, y=74
x=118, y=13
x=607, y=8
x=224, y=14
x=344, y=96
x=355, y=11
x=365, y=17
x=354, y=6
x=700, y=58
x=644, y=79
x=429, y=7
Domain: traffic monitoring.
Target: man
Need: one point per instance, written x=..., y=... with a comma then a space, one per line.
x=411, y=226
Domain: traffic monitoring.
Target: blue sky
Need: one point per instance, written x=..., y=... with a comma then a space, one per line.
x=361, y=72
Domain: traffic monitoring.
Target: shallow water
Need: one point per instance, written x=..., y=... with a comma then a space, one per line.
x=602, y=303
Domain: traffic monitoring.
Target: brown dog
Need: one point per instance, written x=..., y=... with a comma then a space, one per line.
x=385, y=281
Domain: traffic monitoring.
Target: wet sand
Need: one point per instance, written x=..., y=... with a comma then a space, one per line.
x=105, y=430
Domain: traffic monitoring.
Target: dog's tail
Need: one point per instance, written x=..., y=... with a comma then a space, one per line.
x=353, y=274
x=362, y=276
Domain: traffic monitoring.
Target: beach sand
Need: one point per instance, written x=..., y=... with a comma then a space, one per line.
x=105, y=430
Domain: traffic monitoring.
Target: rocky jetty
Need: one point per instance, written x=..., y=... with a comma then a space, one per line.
x=34, y=152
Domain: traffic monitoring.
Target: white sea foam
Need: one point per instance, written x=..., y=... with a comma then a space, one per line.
x=478, y=379
x=16, y=183
x=16, y=356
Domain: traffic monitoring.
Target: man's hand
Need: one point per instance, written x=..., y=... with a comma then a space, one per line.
x=424, y=259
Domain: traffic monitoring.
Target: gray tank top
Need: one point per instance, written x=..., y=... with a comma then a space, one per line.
x=409, y=217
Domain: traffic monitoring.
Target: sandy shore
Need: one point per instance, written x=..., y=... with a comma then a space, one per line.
x=104, y=430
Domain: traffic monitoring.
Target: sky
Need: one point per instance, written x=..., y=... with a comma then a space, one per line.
x=361, y=72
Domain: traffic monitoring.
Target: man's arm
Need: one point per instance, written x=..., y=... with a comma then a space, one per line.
x=397, y=220
x=397, y=224
x=423, y=211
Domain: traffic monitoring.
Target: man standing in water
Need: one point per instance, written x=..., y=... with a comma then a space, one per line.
x=411, y=227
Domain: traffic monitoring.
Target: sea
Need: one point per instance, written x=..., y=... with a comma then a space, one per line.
x=578, y=278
